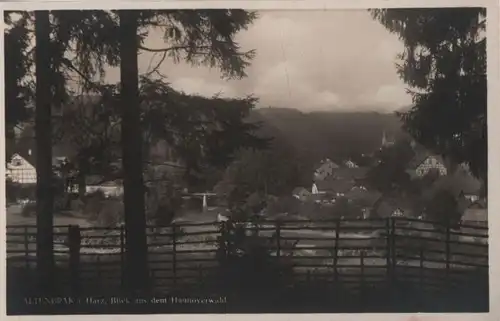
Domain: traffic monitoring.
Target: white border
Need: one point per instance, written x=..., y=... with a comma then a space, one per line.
x=493, y=70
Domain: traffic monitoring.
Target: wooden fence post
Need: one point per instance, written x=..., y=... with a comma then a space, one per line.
x=362, y=267
x=421, y=274
x=336, y=252
x=26, y=247
x=388, y=248
x=99, y=274
x=200, y=276
x=74, y=244
x=174, y=254
x=393, y=247
x=122, y=256
x=278, y=239
x=448, y=257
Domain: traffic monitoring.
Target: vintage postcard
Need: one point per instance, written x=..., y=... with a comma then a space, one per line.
x=249, y=157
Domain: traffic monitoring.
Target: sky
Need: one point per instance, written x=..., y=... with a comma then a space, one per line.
x=334, y=60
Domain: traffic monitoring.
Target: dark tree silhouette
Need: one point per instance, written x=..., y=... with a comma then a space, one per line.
x=18, y=91
x=443, y=207
x=95, y=39
x=390, y=174
x=444, y=64
x=43, y=130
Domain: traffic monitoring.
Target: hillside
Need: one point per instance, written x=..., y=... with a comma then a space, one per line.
x=328, y=134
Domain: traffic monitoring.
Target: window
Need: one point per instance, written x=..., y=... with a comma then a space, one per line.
x=17, y=162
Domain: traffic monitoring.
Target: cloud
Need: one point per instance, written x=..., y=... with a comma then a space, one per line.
x=309, y=60
x=199, y=86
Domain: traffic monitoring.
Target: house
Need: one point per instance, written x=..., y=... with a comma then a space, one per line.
x=351, y=164
x=393, y=207
x=21, y=169
x=325, y=169
x=334, y=187
x=301, y=193
x=363, y=198
x=476, y=212
x=424, y=162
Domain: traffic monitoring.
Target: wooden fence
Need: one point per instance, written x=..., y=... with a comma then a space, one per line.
x=358, y=253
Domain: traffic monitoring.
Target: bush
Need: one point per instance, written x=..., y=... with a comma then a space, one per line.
x=287, y=204
x=163, y=201
x=29, y=209
x=93, y=203
x=11, y=191
x=111, y=213
x=246, y=261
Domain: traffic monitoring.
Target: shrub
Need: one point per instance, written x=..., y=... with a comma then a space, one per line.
x=11, y=191
x=111, y=213
x=287, y=204
x=246, y=261
x=93, y=203
x=27, y=192
x=29, y=209
x=163, y=200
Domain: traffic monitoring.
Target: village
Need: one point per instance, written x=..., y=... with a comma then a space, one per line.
x=341, y=187
x=210, y=154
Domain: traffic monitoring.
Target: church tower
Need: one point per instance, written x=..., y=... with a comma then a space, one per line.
x=386, y=142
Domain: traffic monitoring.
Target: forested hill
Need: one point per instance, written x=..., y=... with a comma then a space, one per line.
x=328, y=134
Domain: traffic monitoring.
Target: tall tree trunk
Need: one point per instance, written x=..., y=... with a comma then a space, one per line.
x=135, y=216
x=43, y=130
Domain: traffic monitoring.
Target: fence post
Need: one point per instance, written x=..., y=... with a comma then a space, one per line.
x=336, y=252
x=388, y=248
x=362, y=267
x=99, y=274
x=122, y=256
x=421, y=273
x=200, y=276
x=393, y=247
x=74, y=244
x=26, y=247
x=174, y=254
x=448, y=257
x=278, y=239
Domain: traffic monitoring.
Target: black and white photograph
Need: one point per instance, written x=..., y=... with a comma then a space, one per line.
x=241, y=160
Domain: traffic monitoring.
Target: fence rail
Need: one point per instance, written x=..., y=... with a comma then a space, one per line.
x=357, y=252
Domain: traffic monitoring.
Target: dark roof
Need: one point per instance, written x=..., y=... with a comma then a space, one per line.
x=365, y=198
x=93, y=180
x=25, y=154
x=324, y=163
x=351, y=173
x=421, y=156
x=335, y=185
x=298, y=190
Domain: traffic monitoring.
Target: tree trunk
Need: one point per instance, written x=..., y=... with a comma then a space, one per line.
x=43, y=130
x=135, y=216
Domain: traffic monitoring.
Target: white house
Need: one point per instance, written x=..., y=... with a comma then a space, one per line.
x=421, y=165
x=351, y=164
x=19, y=170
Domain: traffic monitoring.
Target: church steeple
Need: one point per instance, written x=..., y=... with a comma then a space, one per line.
x=384, y=139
